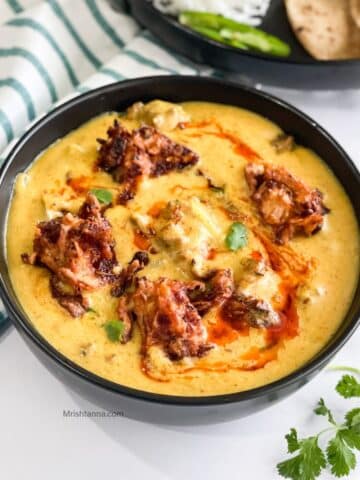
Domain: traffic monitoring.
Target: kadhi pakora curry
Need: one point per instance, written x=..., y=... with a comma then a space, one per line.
x=184, y=249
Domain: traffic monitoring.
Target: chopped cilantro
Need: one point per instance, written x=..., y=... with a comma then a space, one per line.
x=114, y=330
x=237, y=236
x=104, y=196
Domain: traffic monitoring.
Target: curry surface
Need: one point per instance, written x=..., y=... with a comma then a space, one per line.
x=321, y=303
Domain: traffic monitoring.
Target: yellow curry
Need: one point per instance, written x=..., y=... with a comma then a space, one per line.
x=189, y=249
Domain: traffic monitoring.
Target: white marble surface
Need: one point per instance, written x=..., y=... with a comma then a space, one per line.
x=36, y=441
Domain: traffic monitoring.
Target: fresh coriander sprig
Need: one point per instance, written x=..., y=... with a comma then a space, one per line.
x=308, y=462
x=310, y=458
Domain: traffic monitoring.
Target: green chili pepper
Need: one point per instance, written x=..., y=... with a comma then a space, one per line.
x=230, y=32
x=208, y=32
x=258, y=41
x=214, y=35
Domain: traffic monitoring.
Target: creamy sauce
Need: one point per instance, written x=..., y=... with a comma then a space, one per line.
x=313, y=298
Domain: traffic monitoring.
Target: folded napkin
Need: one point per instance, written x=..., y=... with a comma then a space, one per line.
x=53, y=50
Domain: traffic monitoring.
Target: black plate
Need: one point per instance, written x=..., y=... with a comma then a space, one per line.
x=135, y=403
x=299, y=70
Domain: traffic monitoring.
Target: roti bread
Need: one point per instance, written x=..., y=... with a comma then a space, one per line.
x=327, y=29
x=355, y=11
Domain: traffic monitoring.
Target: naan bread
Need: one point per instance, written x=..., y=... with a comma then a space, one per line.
x=327, y=29
x=355, y=11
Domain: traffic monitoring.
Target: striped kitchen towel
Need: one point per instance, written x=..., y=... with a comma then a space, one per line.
x=55, y=49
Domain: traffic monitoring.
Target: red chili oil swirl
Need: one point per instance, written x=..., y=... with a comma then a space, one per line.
x=240, y=147
x=226, y=329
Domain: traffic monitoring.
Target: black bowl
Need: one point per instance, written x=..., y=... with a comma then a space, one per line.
x=299, y=70
x=135, y=403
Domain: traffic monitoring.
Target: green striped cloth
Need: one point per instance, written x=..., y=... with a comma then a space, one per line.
x=53, y=50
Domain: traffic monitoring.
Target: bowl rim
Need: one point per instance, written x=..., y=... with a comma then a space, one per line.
x=315, y=364
x=192, y=34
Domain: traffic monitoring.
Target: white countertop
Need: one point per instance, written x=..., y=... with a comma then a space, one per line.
x=36, y=441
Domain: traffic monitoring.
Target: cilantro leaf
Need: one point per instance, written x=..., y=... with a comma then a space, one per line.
x=348, y=387
x=290, y=468
x=352, y=434
x=307, y=465
x=237, y=236
x=353, y=419
x=340, y=456
x=322, y=409
x=292, y=441
x=351, y=437
x=104, y=196
x=313, y=458
x=114, y=330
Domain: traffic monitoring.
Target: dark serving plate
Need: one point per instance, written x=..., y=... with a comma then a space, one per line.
x=299, y=70
x=135, y=403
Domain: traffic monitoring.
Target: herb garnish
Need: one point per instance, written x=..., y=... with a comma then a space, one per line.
x=310, y=458
x=91, y=310
x=104, y=196
x=114, y=330
x=217, y=189
x=283, y=143
x=348, y=387
x=237, y=236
